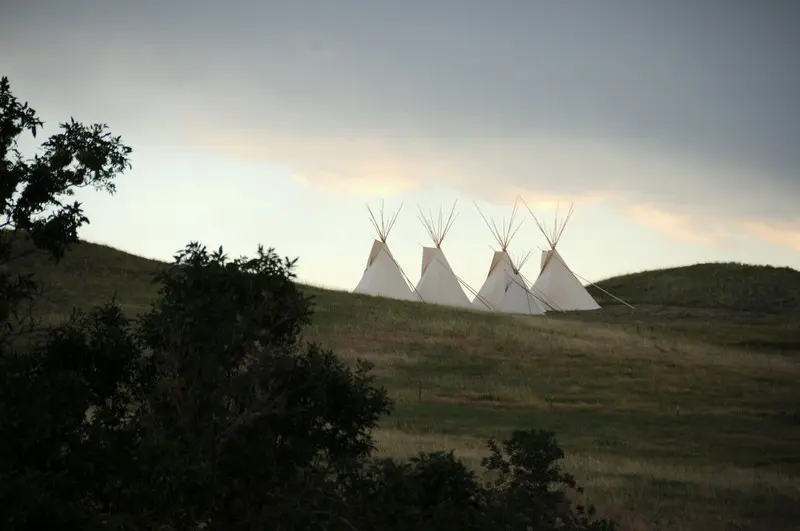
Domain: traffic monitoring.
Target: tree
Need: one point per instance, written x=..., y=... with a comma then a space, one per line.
x=210, y=411
x=209, y=408
x=35, y=192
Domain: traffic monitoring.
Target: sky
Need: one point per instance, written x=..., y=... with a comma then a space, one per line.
x=673, y=127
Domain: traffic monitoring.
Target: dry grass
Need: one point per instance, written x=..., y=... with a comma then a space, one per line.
x=677, y=430
x=641, y=494
x=673, y=418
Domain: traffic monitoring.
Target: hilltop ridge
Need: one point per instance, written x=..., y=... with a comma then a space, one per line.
x=91, y=272
x=717, y=285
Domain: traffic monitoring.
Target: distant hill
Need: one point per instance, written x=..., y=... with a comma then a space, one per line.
x=92, y=273
x=728, y=286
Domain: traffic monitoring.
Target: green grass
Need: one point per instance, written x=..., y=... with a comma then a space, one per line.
x=683, y=414
x=728, y=286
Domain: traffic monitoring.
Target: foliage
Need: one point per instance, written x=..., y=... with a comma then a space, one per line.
x=34, y=192
x=210, y=412
x=436, y=491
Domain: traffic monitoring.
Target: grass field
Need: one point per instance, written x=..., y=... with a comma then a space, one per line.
x=683, y=414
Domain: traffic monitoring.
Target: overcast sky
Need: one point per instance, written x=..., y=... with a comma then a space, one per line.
x=675, y=126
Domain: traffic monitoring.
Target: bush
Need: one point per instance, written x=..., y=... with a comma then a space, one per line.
x=210, y=412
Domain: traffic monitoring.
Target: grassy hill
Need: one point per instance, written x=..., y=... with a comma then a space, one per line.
x=683, y=414
x=729, y=286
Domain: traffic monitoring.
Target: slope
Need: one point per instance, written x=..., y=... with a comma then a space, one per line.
x=90, y=274
x=669, y=430
x=722, y=286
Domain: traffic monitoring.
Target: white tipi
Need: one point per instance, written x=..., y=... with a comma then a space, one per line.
x=557, y=286
x=518, y=298
x=383, y=275
x=501, y=271
x=438, y=283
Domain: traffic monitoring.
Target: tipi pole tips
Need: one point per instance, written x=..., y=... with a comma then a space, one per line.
x=383, y=225
x=504, y=233
x=438, y=228
x=552, y=235
x=520, y=261
x=541, y=226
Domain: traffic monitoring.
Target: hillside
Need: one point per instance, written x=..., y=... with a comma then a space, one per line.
x=90, y=274
x=92, y=271
x=686, y=418
x=727, y=286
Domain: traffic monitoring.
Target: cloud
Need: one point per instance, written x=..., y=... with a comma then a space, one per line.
x=683, y=119
x=673, y=193
x=786, y=235
x=342, y=185
x=681, y=227
x=370, y=165
x=335, y=164
x=667, y=192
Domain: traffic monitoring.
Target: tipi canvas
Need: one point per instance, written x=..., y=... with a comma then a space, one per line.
x=494, y=287
x=560, y=286
x=383, y=276
x=518, y=298
x=557, y=286
x=438, y=283
x=491, y=294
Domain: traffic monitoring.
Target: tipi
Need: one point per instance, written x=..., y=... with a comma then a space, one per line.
x=504, y=274
x=518, y=298
x=438, y=283
x=557, y=286
x=383, y=275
